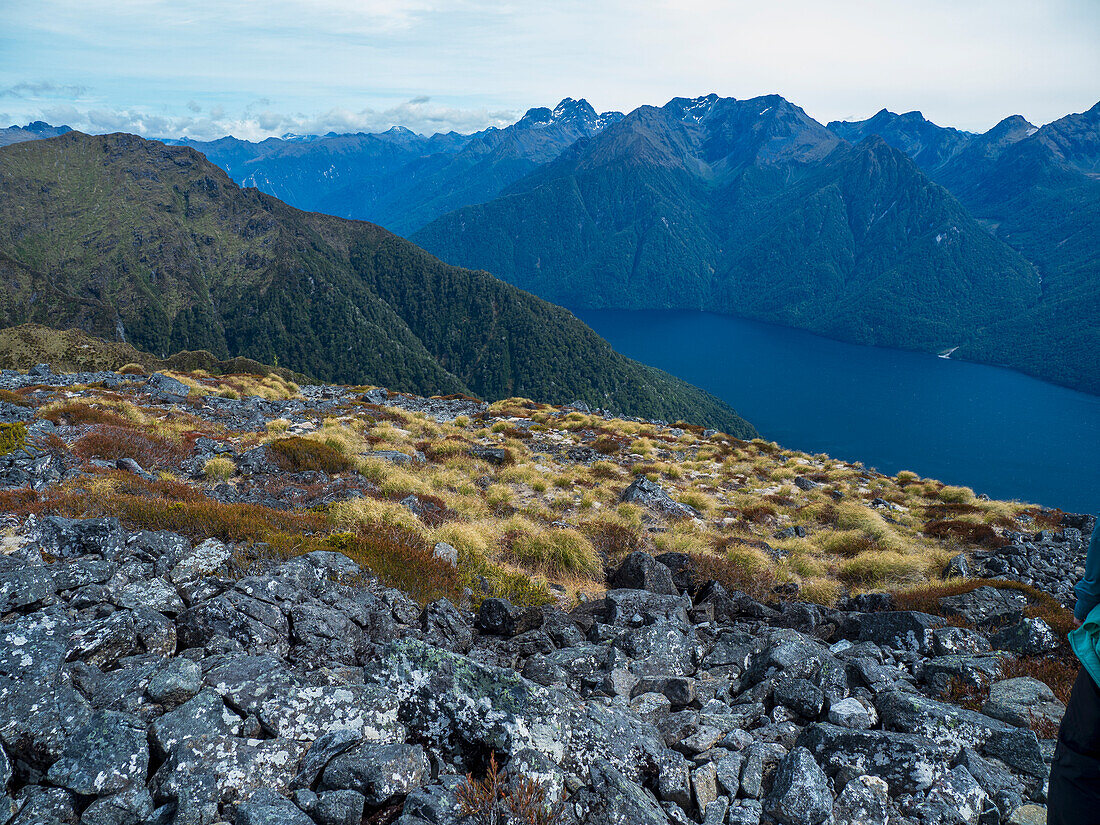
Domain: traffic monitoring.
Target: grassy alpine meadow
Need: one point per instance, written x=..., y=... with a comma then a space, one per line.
x=528, y=495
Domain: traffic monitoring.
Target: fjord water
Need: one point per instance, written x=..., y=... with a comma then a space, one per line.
x=996, y=430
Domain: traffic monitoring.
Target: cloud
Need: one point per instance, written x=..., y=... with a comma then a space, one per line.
x=43, y=88
x=254, y=123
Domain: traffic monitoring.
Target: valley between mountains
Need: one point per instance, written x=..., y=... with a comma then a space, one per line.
x=302, y=524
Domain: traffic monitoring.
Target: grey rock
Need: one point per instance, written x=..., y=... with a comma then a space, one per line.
x=154, y=594
x=852, y=713
x=339, y=808
x=898, y=629
x=959, y=793
x=201, y=715
x=800, y=793
x=239, y=767
x=957, y=567
x=948, y=724
x=204, y=560
x=174, y=683
x=909, y=763
x=1029, y=637
x=760, y=759
x=305, y=714
x=617, y=800
x=1022, y=700
x=950, y=641
x=1019, y=749
x=379, y=772
x=45, y=806
x=133, y=806
x=445, y=552
x=651, y=707
x=255, y=625
x=863, y=801
x=445, y=627
x=165, y=388
x=640, y=571
x=652, y=496
x=105, y=756
x=704, y=785
x=800, y=695
x=497, y=616
x=265, y=809
x=986, y=606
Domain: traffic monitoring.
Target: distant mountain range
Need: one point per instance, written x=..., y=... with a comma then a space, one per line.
x=399, y=179
x=136, y=241
x=32, y=131
x=891, y=231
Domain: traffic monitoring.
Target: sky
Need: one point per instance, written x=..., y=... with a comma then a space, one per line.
x=256, y=68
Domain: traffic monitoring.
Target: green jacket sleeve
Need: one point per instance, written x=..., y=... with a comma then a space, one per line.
x=1088, y=589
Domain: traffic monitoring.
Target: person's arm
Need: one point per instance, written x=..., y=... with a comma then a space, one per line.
x=1088, y=589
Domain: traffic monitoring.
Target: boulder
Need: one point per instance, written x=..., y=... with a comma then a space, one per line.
x=377, y=771
x=800, y=793
x=986, y=606
x=1029, y=637
x=640, y=571
x=652, y=496
x=1023, y=700
x=238, y=767
x=106, y=755
x=304, y=714
x=907, y=762
x=950, y=725
x=863, y=801
x=614, y=799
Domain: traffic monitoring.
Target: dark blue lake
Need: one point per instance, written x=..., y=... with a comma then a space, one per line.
x=998, y=431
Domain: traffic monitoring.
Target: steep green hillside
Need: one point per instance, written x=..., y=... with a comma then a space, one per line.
x=753, y=208
x=133, y=240
x=1038, y=190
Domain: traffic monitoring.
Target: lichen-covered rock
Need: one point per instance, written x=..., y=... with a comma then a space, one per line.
x=452, y=702
x=800, y=793
x=378, y=771
x=864, y=800
x=307, y=713
x=948, y=724
x=205, y=559
x=640, y=571
x=1023, y=700
x=204, y=714
x=106, y=755
x=1030, y=637
x=908, y=763
x=239, y=767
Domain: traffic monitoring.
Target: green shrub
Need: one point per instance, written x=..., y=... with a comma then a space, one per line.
x=12, y=437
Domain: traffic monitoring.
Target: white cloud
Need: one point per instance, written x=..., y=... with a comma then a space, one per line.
x=38, y=89
x=418, y=114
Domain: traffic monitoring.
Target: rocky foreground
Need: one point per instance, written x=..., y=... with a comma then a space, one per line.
x=145, y=678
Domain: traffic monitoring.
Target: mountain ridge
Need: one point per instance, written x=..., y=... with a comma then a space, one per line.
x=152, y=244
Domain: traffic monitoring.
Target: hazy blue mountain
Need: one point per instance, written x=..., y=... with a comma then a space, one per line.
x=32, y=131
x=749, y=207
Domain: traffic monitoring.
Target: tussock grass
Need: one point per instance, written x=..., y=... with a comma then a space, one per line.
x=219, y=468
